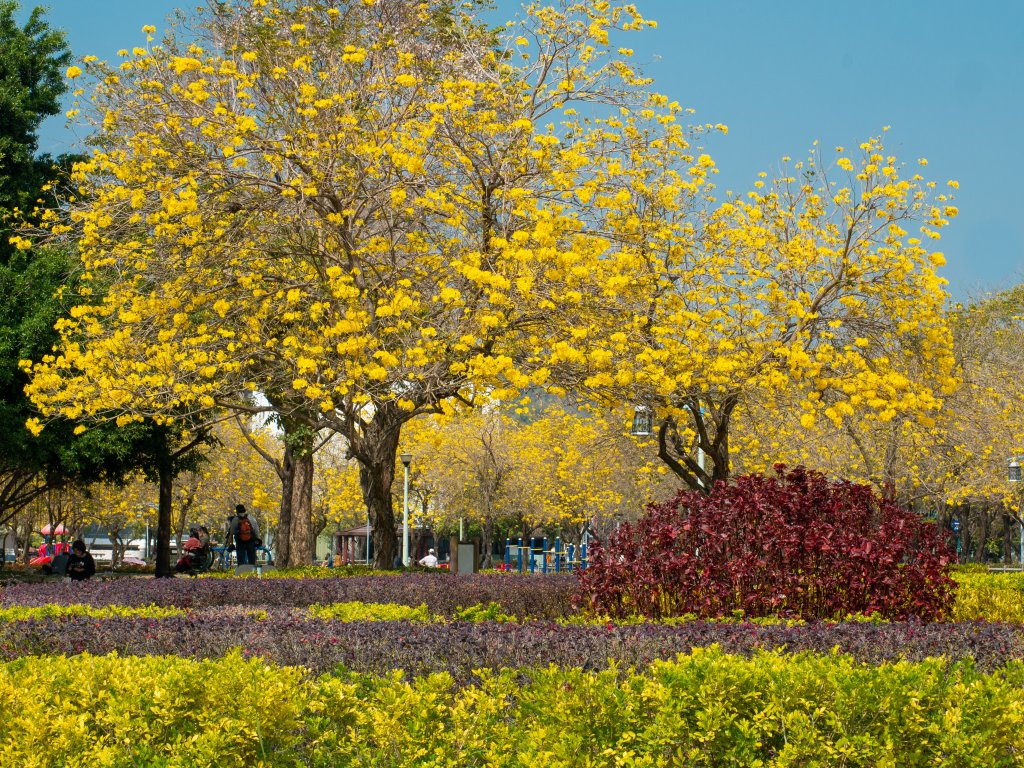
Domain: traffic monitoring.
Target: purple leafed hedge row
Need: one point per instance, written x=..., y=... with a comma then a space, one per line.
x=461, y=647
x=525, y=597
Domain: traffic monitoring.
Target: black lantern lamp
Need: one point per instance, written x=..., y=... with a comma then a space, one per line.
x=643, y=422
x=1013, y=471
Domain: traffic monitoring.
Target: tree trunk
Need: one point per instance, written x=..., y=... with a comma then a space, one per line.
x=301, y=545
x=964, y=516
x=163, y=524
x=282, y=540
x=712, y=424
x=487, y=542
x=26, y=544
x=415, y=535
x=181, y=523
x=375, y=483
x=376, y=452
x=116, y=548
x=981, y=541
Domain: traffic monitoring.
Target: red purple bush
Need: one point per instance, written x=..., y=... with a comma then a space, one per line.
x=793, y=545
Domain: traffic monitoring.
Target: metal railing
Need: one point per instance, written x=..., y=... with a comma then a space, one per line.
x=526, y=556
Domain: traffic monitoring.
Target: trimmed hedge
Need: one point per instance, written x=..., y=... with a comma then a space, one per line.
x=24, y=613
x=709, y=709
x=522, y=596
x=988, y=596
x=458, y=648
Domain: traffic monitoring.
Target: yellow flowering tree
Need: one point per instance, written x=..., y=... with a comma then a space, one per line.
x=464, y=465
x=951, y=464
x=337, y=497
x=820, y=284
x=556, y=469
x=361, y=210
x=581, y=470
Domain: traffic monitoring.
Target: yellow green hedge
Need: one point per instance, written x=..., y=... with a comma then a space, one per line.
x=710, y=709
x=988, y=597
x=357, y=611
x=23, y=613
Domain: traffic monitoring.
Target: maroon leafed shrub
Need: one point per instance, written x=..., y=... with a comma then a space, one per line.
x=793, y=545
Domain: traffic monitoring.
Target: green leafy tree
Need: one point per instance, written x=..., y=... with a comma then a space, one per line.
x=31, y=83
x=32, y=62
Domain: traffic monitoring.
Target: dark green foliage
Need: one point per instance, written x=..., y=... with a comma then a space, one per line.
x=37, y=288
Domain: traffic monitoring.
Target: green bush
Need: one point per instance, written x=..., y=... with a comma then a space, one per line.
x=490, y=612
x=357, y=611
x=708, y=709
x=301, y=572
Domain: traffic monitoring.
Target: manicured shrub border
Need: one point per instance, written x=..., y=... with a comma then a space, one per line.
x=458, y=648
x=709, y=709
x=979, y=596
x=23, y=613
x=525, y=597
x=989, y=596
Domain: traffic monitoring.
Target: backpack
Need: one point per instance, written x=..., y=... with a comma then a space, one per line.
x=244, y=529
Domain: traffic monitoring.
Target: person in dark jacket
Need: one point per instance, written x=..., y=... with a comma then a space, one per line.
x=81, y=566
x=243, y=534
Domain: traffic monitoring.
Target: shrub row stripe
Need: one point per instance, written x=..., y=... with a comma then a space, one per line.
x=460, y=647
x=710, y=709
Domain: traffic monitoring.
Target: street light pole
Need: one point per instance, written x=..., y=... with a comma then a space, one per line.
x=406, y=460
x=1014, y=476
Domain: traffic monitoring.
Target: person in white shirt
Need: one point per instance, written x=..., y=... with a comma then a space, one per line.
x=430, y=561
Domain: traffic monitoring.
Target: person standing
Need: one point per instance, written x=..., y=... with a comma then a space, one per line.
x=80, y=565
x=243, y=535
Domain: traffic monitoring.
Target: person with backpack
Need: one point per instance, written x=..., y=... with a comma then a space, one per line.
x=243, y=535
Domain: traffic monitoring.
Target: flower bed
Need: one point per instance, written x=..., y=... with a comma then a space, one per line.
x=176, y=671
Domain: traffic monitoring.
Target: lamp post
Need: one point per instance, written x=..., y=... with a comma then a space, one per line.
x=1013, y=475
x=406, y=460
x=146, y=547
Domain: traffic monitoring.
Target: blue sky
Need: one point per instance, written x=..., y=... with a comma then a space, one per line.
x=947, y=76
